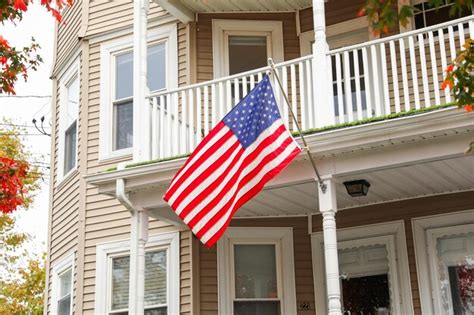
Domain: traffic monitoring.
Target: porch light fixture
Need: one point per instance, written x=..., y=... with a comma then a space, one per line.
x=357, y=188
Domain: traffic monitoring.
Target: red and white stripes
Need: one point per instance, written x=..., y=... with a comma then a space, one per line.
x=220, y=176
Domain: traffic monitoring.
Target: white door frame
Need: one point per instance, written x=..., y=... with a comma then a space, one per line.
x=221, y=29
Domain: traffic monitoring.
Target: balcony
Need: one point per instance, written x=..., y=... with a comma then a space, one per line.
x=388, y=76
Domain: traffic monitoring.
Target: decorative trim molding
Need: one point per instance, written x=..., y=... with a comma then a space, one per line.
x=391, y=234
x=420, y=227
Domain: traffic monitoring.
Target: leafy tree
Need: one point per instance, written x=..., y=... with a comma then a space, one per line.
x=22, y=274
x=15, y=62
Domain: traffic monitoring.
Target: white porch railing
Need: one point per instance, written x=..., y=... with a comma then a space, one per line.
x=389, y=75
x=397, y=73
x=182, y=117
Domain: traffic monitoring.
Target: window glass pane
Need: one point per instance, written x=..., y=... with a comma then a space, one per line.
x=124, y=75
x=155, y=282
x=247, y=53
x=65, y=283
x=255, y=271
x=70, y=146
x=155, y=278
x=365, y=287
x=120, y=278
x=123, y=125
x=72, y=101
x=64, y=306
x=456, y=273
x=256, y=308
x=156, y=67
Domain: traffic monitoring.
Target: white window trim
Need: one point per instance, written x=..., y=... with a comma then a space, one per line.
x=164, y=33
x=105, y=250
x=424, y=261
x=222, y=28
x=392, y=235
x=71, y=73
x=283, y=235
x=58, y=268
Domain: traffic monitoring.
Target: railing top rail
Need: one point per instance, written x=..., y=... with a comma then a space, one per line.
x=231, y=77
x=402, y=35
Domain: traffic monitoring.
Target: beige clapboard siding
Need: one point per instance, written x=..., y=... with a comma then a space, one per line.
x=402, y=210
x=67, y=33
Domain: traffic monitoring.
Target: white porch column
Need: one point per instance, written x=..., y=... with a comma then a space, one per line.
x=322, y=87
x=141, y=110
x=138, y=239
x=328, y=208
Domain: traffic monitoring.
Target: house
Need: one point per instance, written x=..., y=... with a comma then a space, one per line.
x=138, y=84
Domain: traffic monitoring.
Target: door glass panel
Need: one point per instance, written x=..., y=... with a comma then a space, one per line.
x=255, y=271
x=247, y=53
x=456, y=273
x=365, y=284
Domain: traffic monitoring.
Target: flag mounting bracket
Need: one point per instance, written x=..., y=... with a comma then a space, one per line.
x=321, y=183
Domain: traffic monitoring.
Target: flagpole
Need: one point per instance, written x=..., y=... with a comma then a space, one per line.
x=295, y=120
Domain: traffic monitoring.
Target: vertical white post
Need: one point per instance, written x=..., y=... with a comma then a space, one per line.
x=322, y=86
x=141, y=109
x=138, y=239
x=328, y=208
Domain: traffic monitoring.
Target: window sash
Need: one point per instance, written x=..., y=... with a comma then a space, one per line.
x=278, y=258
x=70, y=147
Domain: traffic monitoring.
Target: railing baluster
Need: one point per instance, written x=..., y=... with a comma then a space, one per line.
x=154, y=128
x=198, y=116
x=434, y=67
x=222, y=107
x=214, y=118
x=340, y=92
x=375, y=71
x=304, y=124
x=259, y=76
x=355, y=54
x=347, y=87
x=414, y=74
x=162, y=128
x=386, y=95
x=461, y=36
x=452, y=45
x=367, y=81
x=471, y=29
x=309, y=89
x=177, y=143
x=284, y=78
x=191, y=130
x=294, y=103
x=444, y=63
x=252, y=81
x=228, y=96
x=404, y=71
x=169, y=131
x=236, y=91
x=393, y=62
x=206, y=110
x=424, y=73
x=184, y=101
x=244, y=86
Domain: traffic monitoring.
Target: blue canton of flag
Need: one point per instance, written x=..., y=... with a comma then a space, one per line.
x=250, y=146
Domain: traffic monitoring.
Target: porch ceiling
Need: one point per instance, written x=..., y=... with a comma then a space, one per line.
x=419, y=180
x=185, y=9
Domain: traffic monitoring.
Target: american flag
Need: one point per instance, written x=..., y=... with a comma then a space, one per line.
x=232, y=163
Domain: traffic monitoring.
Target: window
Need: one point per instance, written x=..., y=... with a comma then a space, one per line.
x=69, y=84
x=445, y=262
x=240, y=46
x=62, y=286
x=427, y=15
x=116, y=125
x=161, y=276
x=256, y=271
x=373, y=266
